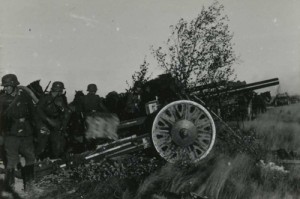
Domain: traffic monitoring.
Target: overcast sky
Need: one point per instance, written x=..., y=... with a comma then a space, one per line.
x=104, y=42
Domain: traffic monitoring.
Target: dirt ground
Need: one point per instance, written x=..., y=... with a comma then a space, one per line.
x=18, y=188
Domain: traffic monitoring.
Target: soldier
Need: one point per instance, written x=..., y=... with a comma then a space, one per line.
x=91, y=106
x=91, y=102
x=134, y=98
x=53, y=115
x=16, y=111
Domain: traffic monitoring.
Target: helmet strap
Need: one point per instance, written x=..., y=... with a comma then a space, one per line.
x=14, y=91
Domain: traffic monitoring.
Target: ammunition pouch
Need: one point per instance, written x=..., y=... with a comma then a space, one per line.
x=44, y=130
x=20, y=127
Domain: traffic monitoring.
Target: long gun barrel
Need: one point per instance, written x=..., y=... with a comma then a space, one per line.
x=236, y=89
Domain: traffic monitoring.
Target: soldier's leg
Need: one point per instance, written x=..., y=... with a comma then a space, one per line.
x=11, y=147
x=2, y=155
x=42, y=141
x=57, y=144
x=27, y=150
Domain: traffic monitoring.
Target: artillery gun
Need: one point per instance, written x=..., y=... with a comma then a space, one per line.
x=176, y=123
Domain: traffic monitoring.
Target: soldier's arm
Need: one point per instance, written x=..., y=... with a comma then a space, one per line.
x=30, y=103
x=80, y=106
x=44, y=119
x=129, y=102
x=66, y=116
x=31, y=108
x=101, y=105
x=40, y=110
x=1, y=115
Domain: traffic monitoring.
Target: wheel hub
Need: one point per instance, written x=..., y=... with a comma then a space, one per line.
x=184, y=132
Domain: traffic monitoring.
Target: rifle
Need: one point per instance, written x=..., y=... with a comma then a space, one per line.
x=47, y=87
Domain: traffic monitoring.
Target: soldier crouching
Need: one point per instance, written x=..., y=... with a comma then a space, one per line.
x=16, y=109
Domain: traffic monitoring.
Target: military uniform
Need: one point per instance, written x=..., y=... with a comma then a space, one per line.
x=53, y=114
x=92, y=103
x=16, y=126
x=135, y=102
x=133, y=105
x=16, y=109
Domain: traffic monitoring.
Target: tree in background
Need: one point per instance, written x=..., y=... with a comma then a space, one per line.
x=199, y=52
x=141, y=76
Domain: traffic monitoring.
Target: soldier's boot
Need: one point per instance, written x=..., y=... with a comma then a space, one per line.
x=9, y=179
x=26, y=176
x=28, y=180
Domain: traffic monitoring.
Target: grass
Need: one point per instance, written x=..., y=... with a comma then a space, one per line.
x=279, y=128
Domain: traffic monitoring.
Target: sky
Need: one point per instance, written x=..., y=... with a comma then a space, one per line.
x=104, y=42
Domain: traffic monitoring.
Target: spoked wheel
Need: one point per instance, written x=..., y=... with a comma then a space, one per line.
x=183, y=130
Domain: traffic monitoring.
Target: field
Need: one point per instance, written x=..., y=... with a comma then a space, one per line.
x=247, y=168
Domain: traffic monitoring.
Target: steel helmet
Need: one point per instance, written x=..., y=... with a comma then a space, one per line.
x=10, y=80
x=92, y=88
x=57, y=86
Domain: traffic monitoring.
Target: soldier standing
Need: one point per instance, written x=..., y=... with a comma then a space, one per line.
x=91, y=102
x=16, y=109
x=91, y=106
x=53, y=115
x=134, y=98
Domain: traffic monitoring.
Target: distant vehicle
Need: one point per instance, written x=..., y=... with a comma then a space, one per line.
x=282, y=99
x=295, y=99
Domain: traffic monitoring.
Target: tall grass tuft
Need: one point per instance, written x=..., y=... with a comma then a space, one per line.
x=279, y=128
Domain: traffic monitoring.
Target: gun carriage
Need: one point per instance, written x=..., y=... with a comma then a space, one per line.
x=175, y=122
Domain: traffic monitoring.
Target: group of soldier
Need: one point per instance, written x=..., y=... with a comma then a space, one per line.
x=29, y=128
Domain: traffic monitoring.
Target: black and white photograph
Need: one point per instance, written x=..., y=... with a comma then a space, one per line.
x=149, y=99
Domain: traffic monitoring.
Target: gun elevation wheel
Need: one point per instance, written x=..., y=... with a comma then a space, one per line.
x=183, y=130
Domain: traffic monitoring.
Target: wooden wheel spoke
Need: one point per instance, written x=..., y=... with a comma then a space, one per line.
x=162, y=131
x=201, y=144
x=174, y=113
x=162, y=137
x=168, y=118
x=198, y=149
x=164, y=145
x=178, y=112
x=201, y=131
x=169, y=151
x=190, y=112
x=192, y=154
x=204, y=136
x=194, y=115
x=186, y=111
x=164, y=124
x=205, y=126
x=202, y=121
